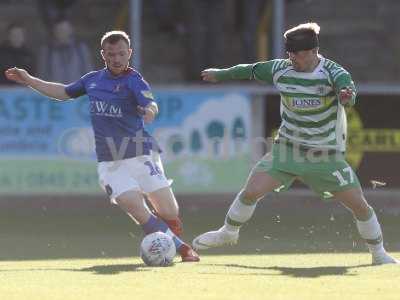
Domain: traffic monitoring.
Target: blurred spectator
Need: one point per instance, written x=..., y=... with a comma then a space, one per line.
x=249, y=13
x=53, y=10
x=14, y=52
x=64, y=59
x=205, y=22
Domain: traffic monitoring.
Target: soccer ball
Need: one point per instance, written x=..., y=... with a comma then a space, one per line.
x=157, y=249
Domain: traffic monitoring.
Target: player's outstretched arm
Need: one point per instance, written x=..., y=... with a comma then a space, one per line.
x=238, y=72
x=51, y=89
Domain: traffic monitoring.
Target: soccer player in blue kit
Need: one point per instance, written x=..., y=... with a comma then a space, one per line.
x=129, y=164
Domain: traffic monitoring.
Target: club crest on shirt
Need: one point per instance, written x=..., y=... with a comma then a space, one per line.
x=321, y=90
x=118, y=87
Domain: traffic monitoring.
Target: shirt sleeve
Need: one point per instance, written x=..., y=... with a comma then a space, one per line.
x=262, y=71
x=344, y=80
x=143, y=92
x=76, y=89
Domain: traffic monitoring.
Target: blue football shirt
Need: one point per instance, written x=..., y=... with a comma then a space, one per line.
x=118, y=127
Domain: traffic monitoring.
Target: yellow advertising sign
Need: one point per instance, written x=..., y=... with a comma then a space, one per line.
x=362, y=140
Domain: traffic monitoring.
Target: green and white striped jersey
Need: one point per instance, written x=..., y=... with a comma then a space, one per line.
x=310, y=110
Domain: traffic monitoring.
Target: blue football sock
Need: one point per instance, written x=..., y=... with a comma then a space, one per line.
x=155, y=224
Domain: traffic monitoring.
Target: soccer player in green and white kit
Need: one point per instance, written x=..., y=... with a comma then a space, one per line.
x=311, y=140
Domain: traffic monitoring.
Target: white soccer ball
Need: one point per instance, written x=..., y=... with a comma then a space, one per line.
x=157, y=249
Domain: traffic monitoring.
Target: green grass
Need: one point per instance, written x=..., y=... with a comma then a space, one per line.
x=288, y=276
x=93, y=255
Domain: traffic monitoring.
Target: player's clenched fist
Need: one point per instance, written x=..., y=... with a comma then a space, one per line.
x=148, y=113
x=20, y=76
x=345, y=95
x=209, y=75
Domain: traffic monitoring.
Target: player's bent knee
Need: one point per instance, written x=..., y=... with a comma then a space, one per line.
x=258, y=185
x=251, y=195
x=129, y=206
x=357, y=204
x=130, y=198
x=362, y=213
x=164, y=202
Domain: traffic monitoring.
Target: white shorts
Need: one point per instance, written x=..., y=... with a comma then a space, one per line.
x=142, y=173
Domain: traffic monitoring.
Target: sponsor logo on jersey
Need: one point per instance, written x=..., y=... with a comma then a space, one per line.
x=102, y=108
x=306, y=103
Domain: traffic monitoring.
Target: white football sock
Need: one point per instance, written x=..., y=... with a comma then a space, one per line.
x=238, y=213
x=371, y=232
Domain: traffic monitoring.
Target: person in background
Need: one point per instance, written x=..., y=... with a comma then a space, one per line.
x=53, y=10
x=14, y=52
x=64, y=58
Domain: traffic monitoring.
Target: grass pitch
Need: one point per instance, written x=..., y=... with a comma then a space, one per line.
x=93, y=255
x=289, y=276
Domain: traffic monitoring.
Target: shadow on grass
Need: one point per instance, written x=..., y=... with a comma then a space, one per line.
x=97, y=270
x=113, y=269
x=312, y=272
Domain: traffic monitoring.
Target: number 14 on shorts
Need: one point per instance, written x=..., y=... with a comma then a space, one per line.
x=153, y=168
x=341, y=176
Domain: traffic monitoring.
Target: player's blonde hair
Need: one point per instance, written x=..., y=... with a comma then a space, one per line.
x=311, y=26
x=115, y=36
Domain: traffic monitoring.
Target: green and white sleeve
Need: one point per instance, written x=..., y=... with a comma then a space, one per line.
x=262, y=71
x=340, y=79
x=343, y=81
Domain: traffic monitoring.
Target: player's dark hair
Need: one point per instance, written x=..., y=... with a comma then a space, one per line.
x=302, y=37
x=115, y=36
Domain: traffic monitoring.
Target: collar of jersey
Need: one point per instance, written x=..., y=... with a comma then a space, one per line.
x=110, y=75
x=320, y=65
